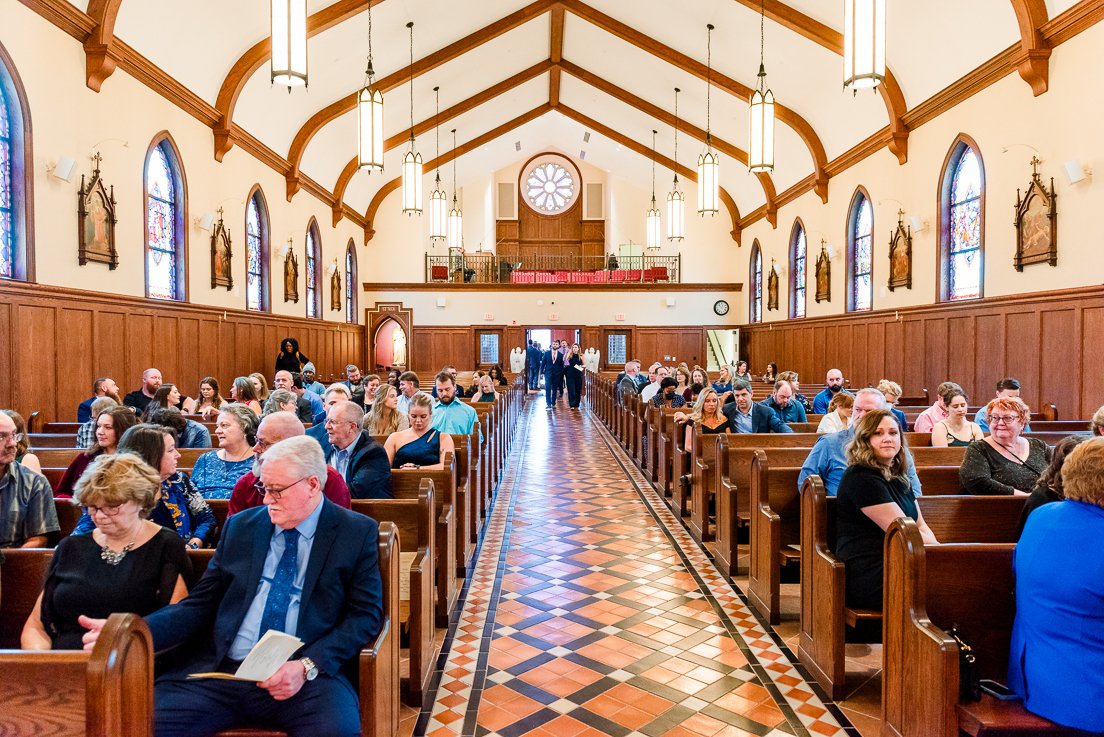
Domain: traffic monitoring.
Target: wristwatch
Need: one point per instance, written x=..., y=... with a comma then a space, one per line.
x=309, y=668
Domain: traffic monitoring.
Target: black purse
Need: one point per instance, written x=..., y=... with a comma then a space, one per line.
x=969, y=678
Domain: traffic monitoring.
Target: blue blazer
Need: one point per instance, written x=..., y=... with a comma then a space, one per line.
x=552, y=363
x=763, y=419
x=318, y=432
x=342, y=604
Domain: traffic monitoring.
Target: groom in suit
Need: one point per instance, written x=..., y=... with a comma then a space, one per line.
x=745, y=415
x=300, y=565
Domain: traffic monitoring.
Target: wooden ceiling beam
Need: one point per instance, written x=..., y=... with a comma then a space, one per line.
x=428, y=124
x=447, y=157
x=555, y=51
x=252, y=60
x=99, y=46
x=831, y=39
x=692, y=66
x=426, y=64
x=1033, y=59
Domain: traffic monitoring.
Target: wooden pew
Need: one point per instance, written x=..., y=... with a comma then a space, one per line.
x=929, y=590
x=823, y=580
x=776, y=525
x=669, y=461
x=62, y=457
x=684, y=457
x=406, y=484
x=703, y=468
x=104, y=693
x=657, y=419
x=40, y=441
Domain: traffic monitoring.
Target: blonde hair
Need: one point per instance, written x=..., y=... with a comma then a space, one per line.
x=1082, y=472
x=699, y=406
x=891, y=387
x=112, y=480
x=376, y=422
x=421, y=399
x=263, y=394
x=861, y=453
x=841, y=400
x=1097, y=425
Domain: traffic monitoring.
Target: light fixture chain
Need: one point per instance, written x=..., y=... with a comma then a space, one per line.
x=653, y=165
x=410, y=25
x=437, y=128
x=454, y=165
x=708, y=80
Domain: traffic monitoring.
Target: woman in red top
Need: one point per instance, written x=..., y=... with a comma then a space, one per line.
x=110, y=426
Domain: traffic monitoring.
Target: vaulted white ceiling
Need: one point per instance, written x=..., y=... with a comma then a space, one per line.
x=635, y=53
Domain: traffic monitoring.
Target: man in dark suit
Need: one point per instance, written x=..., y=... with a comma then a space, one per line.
x=300, y=565
x=533, y=364
x=334, y=393
x=552, y=365
x=744, y=415
x=354, y=454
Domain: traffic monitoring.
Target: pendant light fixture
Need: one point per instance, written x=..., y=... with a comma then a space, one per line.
x=652, y=226
x=455, y=217
x=864, y=44
x=708, y=162
x=676, y=200
x=761, y=115
x=438, y=200
x=370, y=116
x=412, y=161
x=289, y=43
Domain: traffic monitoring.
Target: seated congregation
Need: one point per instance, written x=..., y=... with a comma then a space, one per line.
x=855, y=493
x=190, y=527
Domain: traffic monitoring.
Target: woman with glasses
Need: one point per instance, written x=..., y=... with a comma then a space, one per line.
x=1004, y=463
x=110, y=426
x=420, y=446
x=127, y=564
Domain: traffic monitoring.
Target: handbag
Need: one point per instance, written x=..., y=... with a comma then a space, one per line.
x=969, y=677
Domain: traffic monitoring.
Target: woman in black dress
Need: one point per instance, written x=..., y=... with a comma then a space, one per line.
x=289, y=358
x=128, y=564
x=873, y=492
x=707, y=416
x=573, y=376
x=420, y=446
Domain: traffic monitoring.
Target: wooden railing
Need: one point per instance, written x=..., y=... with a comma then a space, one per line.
x=488, y=268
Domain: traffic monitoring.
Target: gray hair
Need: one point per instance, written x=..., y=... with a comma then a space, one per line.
x=302, y=455
x=338, y=387
x=276, y=399
x=871, y=391
x=350, y=411
x=245, y=418
x=740, y=385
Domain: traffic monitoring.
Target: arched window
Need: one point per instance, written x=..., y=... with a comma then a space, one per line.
x=314, y=258
x=798, y=252
x=756, y=310
x=962, y=222
x=166, y=196
x=350, y=283
x=860, y=260
x=16, y=251
x=256, y=251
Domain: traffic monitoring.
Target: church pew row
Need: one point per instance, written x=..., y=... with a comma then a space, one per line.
x=928, y=591
x=824, y=615
x=109, y=692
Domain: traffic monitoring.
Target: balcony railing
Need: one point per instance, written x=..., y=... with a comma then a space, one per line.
x=489, y=268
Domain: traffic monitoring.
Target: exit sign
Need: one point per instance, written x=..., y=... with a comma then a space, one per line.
x=488, y=315
x=620, y=317
x=553, y=316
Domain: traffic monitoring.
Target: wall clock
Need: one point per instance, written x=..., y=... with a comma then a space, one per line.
x=720, y=307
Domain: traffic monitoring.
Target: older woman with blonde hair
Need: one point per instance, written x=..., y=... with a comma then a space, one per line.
x=1056, y=658
x=127, y=564
x=1004, y=463
x=891, y=390
x=385, y=417
x=280, y=400
x=706, y=415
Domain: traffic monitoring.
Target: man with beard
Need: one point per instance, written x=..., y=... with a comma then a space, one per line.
x=274, y=428
x=102, y=387
x=833, y=381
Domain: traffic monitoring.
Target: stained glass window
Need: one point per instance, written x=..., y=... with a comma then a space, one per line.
x=256, y=263
x=549, y=188
x=756, y=283
x=963, y=269
x=7, y=177
x=312, y=272
x=862, y=244
x=798, y=248
x=164, y=224
x=350, y=283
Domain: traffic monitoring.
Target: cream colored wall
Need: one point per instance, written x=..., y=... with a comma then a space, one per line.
x=68, y=119
x=1006, y=122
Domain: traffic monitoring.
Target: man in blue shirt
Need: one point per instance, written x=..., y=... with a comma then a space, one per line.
x=833, y=382
x=450, y=415
x=828, y=459
x=1008, y=387
x=783, y=404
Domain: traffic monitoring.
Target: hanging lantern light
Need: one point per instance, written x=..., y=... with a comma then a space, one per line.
x=289, y=43
x=653, y=229
x=864, y=44
x=370, y=116
x=455, y=216
x=438, y=200
x=412, y=161
x=676, y=201
x=761, y=116
x=708, y=163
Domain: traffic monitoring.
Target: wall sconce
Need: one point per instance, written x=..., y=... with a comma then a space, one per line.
x=1076, y=172
x=918, y=223
x=62, y=169
x=206, y=222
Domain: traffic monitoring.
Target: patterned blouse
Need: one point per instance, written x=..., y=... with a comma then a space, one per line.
x=215, y=478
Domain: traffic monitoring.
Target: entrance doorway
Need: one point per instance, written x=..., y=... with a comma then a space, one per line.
x=545, y=336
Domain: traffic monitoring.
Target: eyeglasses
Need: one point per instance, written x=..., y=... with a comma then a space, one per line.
x=1003, y=419
x=16, y=436
x=334, y=423
x=262, y=444
x=276, y=493
x=109, y=511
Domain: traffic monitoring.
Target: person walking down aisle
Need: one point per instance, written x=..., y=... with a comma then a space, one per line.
x=552, y=366
x=573, y=374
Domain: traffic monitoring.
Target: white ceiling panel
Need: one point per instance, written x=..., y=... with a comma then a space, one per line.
x=81, y=5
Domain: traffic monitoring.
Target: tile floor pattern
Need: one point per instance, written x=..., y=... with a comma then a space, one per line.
x=583, y=619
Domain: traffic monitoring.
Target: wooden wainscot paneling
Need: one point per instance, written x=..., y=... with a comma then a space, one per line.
x=1050, y=341
x=54, y=341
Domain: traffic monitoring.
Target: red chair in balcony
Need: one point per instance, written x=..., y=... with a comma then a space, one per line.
x=439, y=273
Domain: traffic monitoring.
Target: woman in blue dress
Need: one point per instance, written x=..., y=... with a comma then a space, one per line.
x=215, y=473
x=419, y=446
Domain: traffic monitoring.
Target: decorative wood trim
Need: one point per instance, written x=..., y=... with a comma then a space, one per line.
x=555, y=51
x=733, y=214
x=391, y=186
x=1033, y=61
x=99, y=45
x=427, y=63
x=550, y=288
x=1071, y=22
x=692, y=66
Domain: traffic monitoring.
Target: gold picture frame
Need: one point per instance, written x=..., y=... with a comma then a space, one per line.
x=222, y=256
x=823, y=275
x=900, y=255
x=1036, y=222
x=96, y=220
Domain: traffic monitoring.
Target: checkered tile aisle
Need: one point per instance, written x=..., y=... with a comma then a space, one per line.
x=583, y=619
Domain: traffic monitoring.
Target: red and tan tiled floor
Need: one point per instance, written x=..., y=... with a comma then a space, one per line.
x=591, y=612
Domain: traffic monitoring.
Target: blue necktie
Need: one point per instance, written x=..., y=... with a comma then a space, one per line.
x=283, y=583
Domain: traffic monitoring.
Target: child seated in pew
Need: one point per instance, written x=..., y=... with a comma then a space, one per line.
x=874, y=491
x=419, y=446
x=128, y=564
